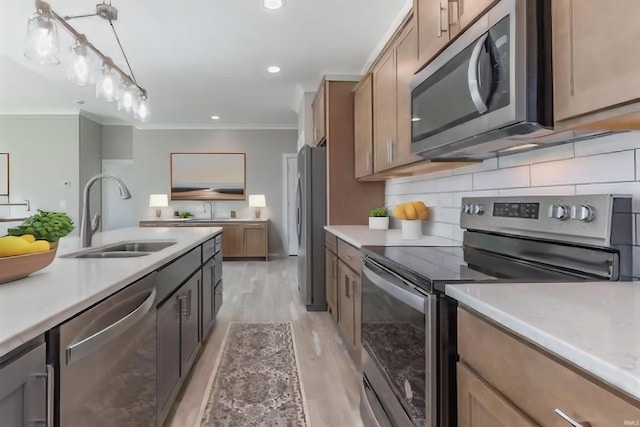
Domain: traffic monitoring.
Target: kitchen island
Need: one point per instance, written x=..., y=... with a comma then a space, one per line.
x=574, y=346
x=34, y=305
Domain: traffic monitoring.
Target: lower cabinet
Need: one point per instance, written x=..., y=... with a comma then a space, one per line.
x=245, y=239
x=208, y=302
x=479, y=405
x=232, y=240
x=23, y=388
x=178, y=341
x=331, y=279
x=347, y=286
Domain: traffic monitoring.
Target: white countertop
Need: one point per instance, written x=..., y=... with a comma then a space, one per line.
x=596, y=326
x=33, y=305
x=361, y=235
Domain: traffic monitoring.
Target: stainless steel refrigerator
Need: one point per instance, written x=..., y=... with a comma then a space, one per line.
x=311, y=215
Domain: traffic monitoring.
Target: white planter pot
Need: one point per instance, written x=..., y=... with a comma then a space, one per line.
x=378, y=222
x=411, y=229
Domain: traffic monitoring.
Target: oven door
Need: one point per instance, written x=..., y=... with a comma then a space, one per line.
x=468, y=89
x=398, y=350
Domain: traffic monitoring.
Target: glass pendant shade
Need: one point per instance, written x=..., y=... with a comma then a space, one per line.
x=107, y=84
x=81, y=67
x=41, y=44
x=142, y=110
x=127, y=99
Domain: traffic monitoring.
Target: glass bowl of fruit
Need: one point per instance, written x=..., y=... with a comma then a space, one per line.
x=32, y=245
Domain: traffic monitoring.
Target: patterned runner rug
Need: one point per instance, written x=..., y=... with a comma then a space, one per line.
x=257, y=381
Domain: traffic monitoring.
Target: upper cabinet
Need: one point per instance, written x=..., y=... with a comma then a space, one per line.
x=392, y=102
x=319, y=116
x=596, y=69
x=363, y=127
x=433, y=27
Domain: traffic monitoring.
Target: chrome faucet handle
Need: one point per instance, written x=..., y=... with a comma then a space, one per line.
x=95, y=223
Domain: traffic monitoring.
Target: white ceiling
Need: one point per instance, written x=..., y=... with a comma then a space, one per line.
x=197, y=58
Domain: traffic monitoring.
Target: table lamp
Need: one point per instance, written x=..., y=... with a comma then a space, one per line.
x=257, y=201
x=158, y=201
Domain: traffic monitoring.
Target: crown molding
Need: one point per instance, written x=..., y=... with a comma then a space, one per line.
x=406, y=8
x=231, y=126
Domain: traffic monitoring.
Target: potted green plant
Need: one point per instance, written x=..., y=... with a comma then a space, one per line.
x=379, y=218
x=50, y=226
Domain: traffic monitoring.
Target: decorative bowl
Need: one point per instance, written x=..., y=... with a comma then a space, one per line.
x=20, y=266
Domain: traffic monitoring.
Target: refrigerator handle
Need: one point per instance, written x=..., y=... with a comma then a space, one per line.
x=299, y=211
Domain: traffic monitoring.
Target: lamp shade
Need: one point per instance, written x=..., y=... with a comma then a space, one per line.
x=257, y=201
x=158, y=200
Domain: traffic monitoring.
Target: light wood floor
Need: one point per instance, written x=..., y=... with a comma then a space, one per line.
x=267, y=292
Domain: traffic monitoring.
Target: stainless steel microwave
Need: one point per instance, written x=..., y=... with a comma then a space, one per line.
x=490, y=89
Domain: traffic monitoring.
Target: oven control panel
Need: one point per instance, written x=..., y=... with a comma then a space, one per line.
x=581, y=218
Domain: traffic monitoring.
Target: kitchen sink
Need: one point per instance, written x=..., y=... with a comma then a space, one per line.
x=128, y=249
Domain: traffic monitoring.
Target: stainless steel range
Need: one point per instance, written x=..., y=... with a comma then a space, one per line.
x=408, y=324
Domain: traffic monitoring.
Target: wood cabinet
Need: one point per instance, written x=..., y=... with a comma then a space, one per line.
x=331, y=279
x=463, y=13
x=168, y=356
x=596, y=63
x=232, y=239
x=479, y=405
x=344, y=293
x=23, y=387
x=392, y=102
x=363, y=126
x=255, y=240
x=207, y=310
x=527, y=384
x=318, y=108
x=432, y=21
x=348, y=200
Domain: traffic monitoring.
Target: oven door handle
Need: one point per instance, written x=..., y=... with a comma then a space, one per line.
x=472, y=75
x=397, y=290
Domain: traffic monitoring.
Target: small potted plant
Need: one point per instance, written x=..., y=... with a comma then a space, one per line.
x=50, y=226
x=379, y=218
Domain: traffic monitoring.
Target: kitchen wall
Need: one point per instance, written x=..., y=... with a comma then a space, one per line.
x=264, y=149
x=44, y=163
x=608, y=164
x=117, y=142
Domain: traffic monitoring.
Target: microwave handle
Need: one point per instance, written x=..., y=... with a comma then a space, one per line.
x=472, y=75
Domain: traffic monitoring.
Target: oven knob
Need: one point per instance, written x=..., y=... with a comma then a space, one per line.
x=584, y=213
x=467, y=209
x=560, y=212
x=478, y=209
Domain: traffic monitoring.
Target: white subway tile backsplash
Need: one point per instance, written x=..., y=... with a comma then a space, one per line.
x=608, y=144
x=502, y=178
x=458, y=234
x=446, y=215
x=564, y=151
x=438, y=185
x=415, y=178
x=612, y=167
x=626, y=188
x=540, y=191
x=432, y=199
x=438, y=229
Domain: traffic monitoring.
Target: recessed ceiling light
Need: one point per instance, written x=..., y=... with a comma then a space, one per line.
x=215, y=117
x=273, y=4
x=273, y=69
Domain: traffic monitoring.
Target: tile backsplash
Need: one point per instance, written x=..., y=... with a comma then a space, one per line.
x=609, y=164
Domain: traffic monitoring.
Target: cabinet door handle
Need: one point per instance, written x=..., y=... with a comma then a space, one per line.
x=441, y=27
x=389, y=152
x=182, y=312
x=347, y=291
x=454, y=13
x=36, y=407
x=570, y=420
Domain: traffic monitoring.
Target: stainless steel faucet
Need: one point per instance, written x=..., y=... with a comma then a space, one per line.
x=88, y=228
x=210, y=209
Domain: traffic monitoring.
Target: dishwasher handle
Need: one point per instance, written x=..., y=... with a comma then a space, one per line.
x=86, y=346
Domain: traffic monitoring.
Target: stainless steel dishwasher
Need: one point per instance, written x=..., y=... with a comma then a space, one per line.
x=107, y=361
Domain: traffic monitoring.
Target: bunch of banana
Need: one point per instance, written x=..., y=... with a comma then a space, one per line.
x=25, y=244
x=412, y=210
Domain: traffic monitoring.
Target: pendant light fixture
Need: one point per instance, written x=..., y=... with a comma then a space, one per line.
x=88, y=64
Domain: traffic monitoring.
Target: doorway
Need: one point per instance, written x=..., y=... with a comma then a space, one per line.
x=116, y=212
x=290, y=174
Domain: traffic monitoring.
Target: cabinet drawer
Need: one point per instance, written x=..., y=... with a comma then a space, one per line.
x=331, y=242
x=208, y=249
x=174, y=274
x=350, y=256
x=537, y=382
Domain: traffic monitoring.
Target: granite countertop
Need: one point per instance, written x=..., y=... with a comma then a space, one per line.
x=33, y=305
x=595, y=326
x=361, y=235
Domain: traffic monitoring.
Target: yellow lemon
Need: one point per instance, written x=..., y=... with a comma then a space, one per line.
x=12, y=245
x=39, y=246
x=399, y=212
x=421, y=209
x=28, y=237
x=410, y=210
